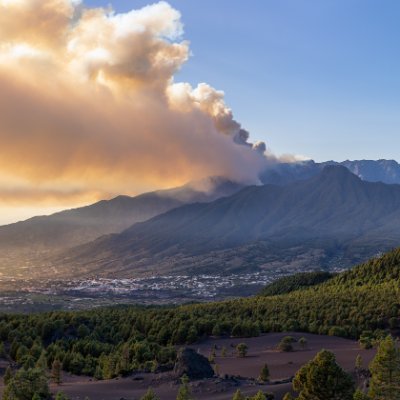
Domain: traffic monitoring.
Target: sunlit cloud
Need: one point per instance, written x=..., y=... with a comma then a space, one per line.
x=88, y=100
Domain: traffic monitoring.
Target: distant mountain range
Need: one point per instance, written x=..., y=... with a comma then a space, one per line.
x=306, y=215
x=385, y=171
x=331, y=220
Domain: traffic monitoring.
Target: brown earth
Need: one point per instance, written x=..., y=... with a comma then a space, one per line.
x=262, y=350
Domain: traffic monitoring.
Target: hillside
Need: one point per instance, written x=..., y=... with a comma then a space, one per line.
x=295, y=282
x=332, y=220
x=238, y=241
x=376, y=271
x=28, y=242
x=363, y=299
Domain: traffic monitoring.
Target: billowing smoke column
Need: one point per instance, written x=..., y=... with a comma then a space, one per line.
x=89, y=106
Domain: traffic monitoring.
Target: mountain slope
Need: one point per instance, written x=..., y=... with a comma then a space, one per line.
x=329, y=213
x=80, y=225
x=291, y=283
x=26, y=242
x=77, y=226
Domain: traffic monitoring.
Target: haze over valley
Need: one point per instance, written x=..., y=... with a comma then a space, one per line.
x=219, y=237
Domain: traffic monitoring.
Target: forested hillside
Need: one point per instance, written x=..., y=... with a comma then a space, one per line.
x=115, y=341
x=294, y=282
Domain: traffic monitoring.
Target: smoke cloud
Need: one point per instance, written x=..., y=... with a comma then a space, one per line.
x=89, y=106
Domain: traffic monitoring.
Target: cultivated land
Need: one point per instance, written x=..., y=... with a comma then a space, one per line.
x=262, y=350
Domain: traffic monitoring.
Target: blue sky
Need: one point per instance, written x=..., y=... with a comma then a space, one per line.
x=316, y=78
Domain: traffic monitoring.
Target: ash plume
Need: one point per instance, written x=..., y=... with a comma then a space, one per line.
x=88, y=104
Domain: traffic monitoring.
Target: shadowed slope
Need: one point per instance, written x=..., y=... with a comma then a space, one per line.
x=333, y=209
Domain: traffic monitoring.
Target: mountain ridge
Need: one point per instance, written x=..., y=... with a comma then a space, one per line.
x=333, y=209
x=26, y=243
x=385, y=171
x=34, y=243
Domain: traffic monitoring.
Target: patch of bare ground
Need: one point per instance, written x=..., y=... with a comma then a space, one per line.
x=234, y=372
x=263, y=350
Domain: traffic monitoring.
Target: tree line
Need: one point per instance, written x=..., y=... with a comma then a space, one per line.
x=320, y=379
x=362, y=303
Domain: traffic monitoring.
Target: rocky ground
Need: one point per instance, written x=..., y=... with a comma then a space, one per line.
x=233, y=372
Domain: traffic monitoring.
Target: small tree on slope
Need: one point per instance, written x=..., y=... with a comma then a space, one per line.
x=323, y=379
x=359, y=395
x=184, y=392
x=150, y=395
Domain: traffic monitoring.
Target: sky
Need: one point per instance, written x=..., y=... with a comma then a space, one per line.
x=96, y=103
x=310, y=77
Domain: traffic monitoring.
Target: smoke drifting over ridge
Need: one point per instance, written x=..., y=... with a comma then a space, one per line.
x=89, y=107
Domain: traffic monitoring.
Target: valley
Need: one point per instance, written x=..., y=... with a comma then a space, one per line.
x=330, y=221
x=228, y=242
x=75, y=294
x=199, y=200
x=119, y=352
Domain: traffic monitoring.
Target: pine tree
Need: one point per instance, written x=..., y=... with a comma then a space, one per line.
x=286, y=344
x=184, y=392
x=124, y=361
x=154, y=366
x=264, y=374
x=385, y=371
x=241, y=349
x=36, y=350
x=238, y=395
x=192, y=335
x=2, y=350
x=303, y=342
x=25, y=384
x=323, y=379
x=359, y=363
x=288, y=396
x=56, y=372
x=8, y=375
x=28, y=362
x=223, y=351
x=110, y=367
x=213, y=353
x=98, y=373
x=41, y=363
x=21, y=353
x=359, y=395
x=150, y=395
x=259, y=396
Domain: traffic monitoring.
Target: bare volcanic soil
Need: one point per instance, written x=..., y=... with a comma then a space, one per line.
x=263, y=350
x=242, y=372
